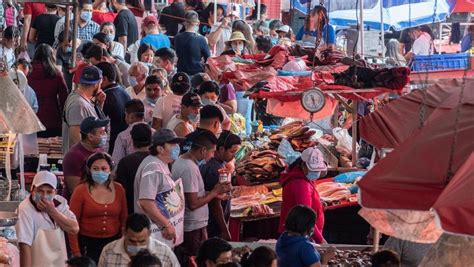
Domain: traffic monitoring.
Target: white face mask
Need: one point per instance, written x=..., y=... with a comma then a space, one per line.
x=238, y=48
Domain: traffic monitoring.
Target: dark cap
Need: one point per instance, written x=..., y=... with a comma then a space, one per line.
x=191, y=99
x=181, y=77
x=91, y=75
x=163, y=136
x=91, y=123
x=141, y=133
x=102, y=37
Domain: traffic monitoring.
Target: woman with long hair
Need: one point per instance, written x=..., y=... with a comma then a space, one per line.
x=51, y=90
x=317, y=30
x=100, y=207
x=393, y=55
x=145, y=54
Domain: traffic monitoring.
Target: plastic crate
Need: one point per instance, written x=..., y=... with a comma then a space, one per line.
x=441, y=62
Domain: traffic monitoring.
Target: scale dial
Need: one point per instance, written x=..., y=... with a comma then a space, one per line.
x=313, y=100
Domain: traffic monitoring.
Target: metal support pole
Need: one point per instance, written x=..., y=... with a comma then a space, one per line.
x=258, y=9
x=215, y=12
x=354, y=133
x=361, y=27
x=440, y=37
x=74, y=34
x=382, y=29
x=67, y=26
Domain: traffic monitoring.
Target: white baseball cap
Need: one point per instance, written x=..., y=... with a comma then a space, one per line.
x=314, y=160
x=45, y=177
x=284, y=28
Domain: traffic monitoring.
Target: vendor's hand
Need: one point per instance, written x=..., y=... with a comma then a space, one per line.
x=46, y=206
x=221, y=188
x=169, y=233
x=225, y=22
x=100, y=97
x=225, y=196
x=328, y=255
x=226, y=235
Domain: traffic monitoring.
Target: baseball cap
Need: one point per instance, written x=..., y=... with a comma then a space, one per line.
x=191, y=99
x=91, y=75
x=163, y=136
x=284, y=28
x=45, y=177
x=314, y=159
x=90, y=123
x=181, y=77
x=102, y=37
x=150, y=19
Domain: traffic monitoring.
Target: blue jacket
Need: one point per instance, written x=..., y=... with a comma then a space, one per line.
x=296, y=251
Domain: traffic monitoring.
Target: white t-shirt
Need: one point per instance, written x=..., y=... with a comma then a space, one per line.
x=31, y=220
x=188, y=171
x=153, y=177
x=225, y=36
x=133, y=95
x=118, y=50
x=176, y=120
x=149, y=108
x=423, y=45
x=167, y=107
x=9, y=56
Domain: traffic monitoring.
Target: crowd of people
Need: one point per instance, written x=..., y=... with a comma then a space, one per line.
x=146, y=135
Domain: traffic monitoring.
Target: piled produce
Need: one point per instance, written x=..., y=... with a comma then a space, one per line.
x=261, y=166
x=350, y=258
x=296, y=133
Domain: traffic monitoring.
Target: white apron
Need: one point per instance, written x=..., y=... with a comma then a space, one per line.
x=48, y=248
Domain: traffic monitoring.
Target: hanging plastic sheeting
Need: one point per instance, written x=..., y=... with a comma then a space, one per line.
x=393, y=123
x=399, y=14
x=16, y=115
x=450, y=250
x=399, y=192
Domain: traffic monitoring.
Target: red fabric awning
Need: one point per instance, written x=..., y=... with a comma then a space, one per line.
x=390, y=125
x=455, y=206
x=463, y=6
x=400, y=190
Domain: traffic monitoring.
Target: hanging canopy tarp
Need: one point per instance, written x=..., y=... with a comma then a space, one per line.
x=463, y=6
x=455, y=206
x=16, y=115
x=399, y=192
x=399, y=14
x=390, y=125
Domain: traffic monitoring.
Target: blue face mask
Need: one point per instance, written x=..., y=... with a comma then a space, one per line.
x=86, y=16
x=313, y=176
x=68, y=49
x=206, y=102
x=135, y=249
x=133, y=81
x=201, y=162
x=196, y=29
x=103, y=141
x=37, y=197
x=193, y=117
x=151, y=100
x=175, y=152
x=111, y=36
x=100, y=177
x=275, y=40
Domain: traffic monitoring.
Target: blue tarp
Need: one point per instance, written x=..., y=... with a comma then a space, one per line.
x=399, y=14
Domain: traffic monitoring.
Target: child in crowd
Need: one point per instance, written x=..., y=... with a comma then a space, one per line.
x=386, y=258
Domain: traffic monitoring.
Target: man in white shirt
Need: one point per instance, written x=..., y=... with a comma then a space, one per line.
x=423, y=44
x=170, y=105
x=42, y=218
x=185, y=122
x=136, y=237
